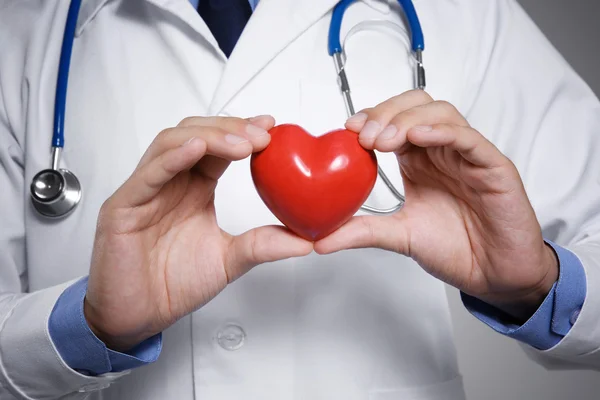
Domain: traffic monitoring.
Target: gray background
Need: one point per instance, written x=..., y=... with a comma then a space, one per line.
x=494, y=367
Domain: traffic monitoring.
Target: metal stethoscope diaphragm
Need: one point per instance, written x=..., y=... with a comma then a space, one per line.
x=55, y=191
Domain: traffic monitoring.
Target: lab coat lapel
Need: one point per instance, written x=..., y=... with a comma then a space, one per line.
x=273, y=25
x=182, y=9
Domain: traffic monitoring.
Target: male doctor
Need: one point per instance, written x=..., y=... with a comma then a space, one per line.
x=168, y=99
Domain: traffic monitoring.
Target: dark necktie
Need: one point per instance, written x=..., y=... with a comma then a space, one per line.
x=226, y=20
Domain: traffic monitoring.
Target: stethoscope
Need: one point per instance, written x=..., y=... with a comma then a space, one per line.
x=55, y=191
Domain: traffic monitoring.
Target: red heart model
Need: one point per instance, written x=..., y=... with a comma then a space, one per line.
x=313, y=185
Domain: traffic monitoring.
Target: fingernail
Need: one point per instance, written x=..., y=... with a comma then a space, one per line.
x=254, y=130
x=357, y=119
x=189, y=141
x=423, y=128
x=233, y=139
x=370, y=130
x=389, y=132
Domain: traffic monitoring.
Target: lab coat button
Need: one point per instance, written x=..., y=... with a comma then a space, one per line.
x=231, y=337
x=575, y=316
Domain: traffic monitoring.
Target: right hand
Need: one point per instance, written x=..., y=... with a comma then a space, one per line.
x=158, y=253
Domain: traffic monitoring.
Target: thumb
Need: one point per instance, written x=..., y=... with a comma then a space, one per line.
x=261, y=245
x=384, y=232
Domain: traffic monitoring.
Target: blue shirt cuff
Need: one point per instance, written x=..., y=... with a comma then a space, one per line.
x=554, y=318
x=81, y=349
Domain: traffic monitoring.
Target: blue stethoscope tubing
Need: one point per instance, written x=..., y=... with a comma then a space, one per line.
x=334, y=42
x=62, y=82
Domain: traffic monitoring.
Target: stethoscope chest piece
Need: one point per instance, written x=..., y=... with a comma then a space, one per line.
x=55, y=192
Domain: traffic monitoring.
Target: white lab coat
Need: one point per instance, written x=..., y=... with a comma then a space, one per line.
x=364, y=324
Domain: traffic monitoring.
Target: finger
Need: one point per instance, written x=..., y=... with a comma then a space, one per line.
x=214, y=167
x=206, y=127
x=386, y=110
x=469, y=143
x=261, y=245
x=220, y=143
x=384, y=232
x=370, y=122
x=266, y=122
x=220, y=147
x=145, y=183
x=393, y=136
x=231, y=124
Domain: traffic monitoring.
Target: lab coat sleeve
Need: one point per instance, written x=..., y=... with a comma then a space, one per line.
x=520, y=93
x=30, y=367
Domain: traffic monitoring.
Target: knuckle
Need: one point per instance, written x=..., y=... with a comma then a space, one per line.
x=212, y=135
x=446, y=107
x=162, y=135
x=401, y=124
x=188, y=121
x=228, y=122
x=404, y=120
x=234, y=120
x=420, y=95
x=235, y=125
x=392, y=104
x=373, y=110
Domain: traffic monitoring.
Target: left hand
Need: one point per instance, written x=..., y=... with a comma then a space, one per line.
x=467, y=219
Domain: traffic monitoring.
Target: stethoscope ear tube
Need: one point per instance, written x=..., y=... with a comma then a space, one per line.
x=417, y=39
x=334, y=44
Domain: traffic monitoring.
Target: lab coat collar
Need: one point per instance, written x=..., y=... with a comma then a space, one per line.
x=180, y=8
x=273, y=26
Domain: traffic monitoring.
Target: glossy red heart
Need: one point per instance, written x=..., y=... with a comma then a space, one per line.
x=313, y=185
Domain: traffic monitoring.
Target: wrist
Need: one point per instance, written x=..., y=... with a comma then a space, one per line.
x=115, y=341
x=523, y=304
